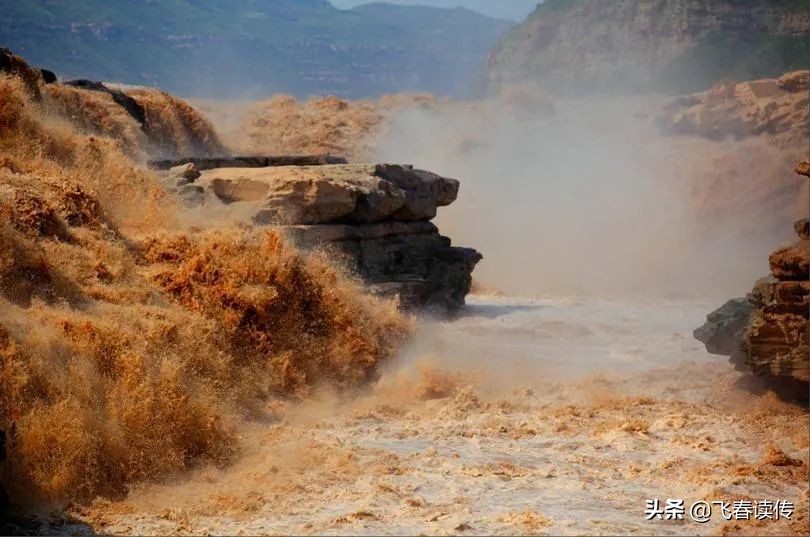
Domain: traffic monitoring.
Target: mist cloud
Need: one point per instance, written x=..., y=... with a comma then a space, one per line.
x=588, y=200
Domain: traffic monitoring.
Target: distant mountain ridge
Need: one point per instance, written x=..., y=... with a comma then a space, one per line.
x=516, y=10
x=663, y=45
x=248, y=48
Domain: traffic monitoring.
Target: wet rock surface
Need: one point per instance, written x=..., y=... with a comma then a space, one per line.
x=372, y=218
x=724, y=327
x=409, y=259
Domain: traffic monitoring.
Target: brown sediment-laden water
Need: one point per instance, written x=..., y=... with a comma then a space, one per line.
x=523, y=416
x=160, y=378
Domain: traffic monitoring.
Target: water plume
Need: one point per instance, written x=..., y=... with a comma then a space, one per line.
x=132, y=348
x=584, y=196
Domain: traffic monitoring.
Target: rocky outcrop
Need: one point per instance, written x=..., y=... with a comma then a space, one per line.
x=724, y=327
x=761, y=130
x=776, y=339
x=671, y=45
x=769, y=330
x=355, y=193
x=408, y=259
x=375, y=219
x=775, y=106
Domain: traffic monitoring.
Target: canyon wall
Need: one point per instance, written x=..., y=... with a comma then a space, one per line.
x=753, y=131
x=673, y=46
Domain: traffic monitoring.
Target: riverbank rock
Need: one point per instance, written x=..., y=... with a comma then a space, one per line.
x=372, y=218
x=408, y=259
x=776, y=339
x=724, y=327
x=791, y=262
x=769, y=330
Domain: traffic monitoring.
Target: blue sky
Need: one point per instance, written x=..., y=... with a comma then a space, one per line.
x=504, y=9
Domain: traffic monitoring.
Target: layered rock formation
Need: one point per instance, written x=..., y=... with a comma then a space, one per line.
x=757, y=130
x=776, y=106
x=768, y=330
x=374, y=218
x=670, y=45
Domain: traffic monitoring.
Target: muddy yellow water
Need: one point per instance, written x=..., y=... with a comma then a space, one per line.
x=541, y=416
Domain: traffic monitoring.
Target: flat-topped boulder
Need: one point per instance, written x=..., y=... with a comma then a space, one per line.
x=374, y=219
x=326, y=194
x=307, y=194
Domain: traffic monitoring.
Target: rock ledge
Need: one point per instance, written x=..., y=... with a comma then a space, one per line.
x=373, y=218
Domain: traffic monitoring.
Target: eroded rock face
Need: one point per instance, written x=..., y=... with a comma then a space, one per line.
x=775, y=106
x=308, y=194
x=355, y=193
x=409, y=259
x=374, y=219
x=424, y=191
x=776, y=339
x=791, y=262
x=769, y=330
x=641, y=45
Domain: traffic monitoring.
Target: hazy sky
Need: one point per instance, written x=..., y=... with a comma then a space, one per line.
x=505, y=9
